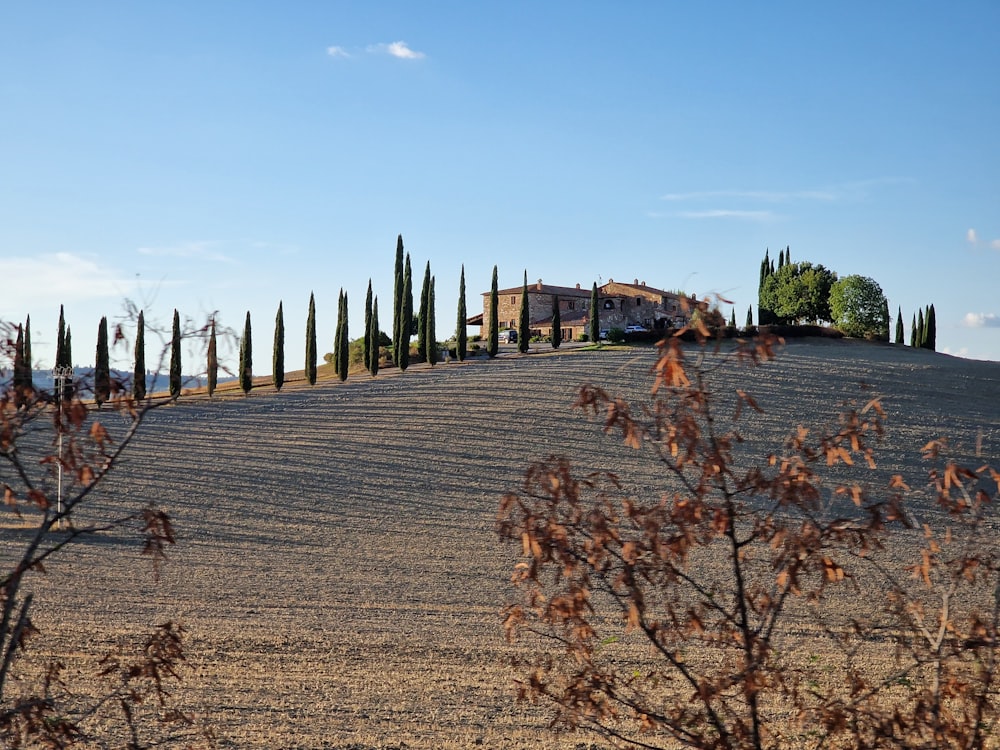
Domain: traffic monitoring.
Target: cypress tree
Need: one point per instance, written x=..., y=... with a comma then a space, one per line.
x=431, y=333
x=60, y=354
x=311, y=341
x=556, y=323
x=343, y=338
x=899, y=327
x=920, y=328
x=732, y=318
x=246, y=357
x=373, y=364
x=595, y=319
x=913, y=332
x=781, y=259
x=366, y=344
x=523, y=330
x=461, y=335
x=764, y=314
x=750, y=316
x=68, y=385
x=788, y=255
x=930, y=330
x=19, y=384
x=337, y=332
x=397, y=299
x=493, y=333
x=102, y=365
x=29, y=367
x=406, y=316
x=139, y=370
x=175, y=357
x=425, y=290
x=278, y=358
x=884, y=333
x=213, y=361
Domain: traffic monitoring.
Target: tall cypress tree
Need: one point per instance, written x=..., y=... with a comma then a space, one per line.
x=19, y=382
x=493, y=332
x=556, y=323
x=781, y=259
x=28, y=361
x=431, y=333
x=461, y=335
x=523, y=319
x=397, y=299
x=750, y=316
x=60, y=354
x=595, y=319
x=913, y=332
x=425, y=290
x=278, y=357
x=920, y=328
x=311, y=341
x=343, y=339
x=139, y=370
x=337, y=332
x=175, y=356
x=246, y=357
x=69, y=385
x=732, y=318
x=213, y=361
x=102, y=365
x=366, y=344
x=930, y=330
x=899, y=327
x=406, y=316
x=373, y=364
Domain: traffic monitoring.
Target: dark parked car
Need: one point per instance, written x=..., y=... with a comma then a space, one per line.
x=508, y=337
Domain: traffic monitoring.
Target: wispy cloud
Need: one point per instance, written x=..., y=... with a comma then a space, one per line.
x=728, y=213
x=201, y=249
x=337, y=52
x=995, y=244
x=396, y=49
x=971, y=237
x=60, y=278
x=981, y=320
x=765, y=196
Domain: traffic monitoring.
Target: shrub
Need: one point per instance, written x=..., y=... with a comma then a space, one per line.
x=616, y=335
x=694, y=617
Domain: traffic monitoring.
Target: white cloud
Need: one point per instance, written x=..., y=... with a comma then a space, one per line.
x=337, y=52
x=202, y=249
x=766, y=196
x=971, y=237
x=727, y=213
x=396, y=49
x=981, y=320
x=995, y=244
x=60, y=278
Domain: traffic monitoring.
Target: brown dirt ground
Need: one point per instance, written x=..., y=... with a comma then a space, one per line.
x=337, y=567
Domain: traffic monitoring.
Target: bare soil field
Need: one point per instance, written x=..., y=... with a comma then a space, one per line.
x=337, y=567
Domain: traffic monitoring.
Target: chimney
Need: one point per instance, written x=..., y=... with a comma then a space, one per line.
x=644, y=283
x=635, y=282
x=577, y=286
x=538, y=286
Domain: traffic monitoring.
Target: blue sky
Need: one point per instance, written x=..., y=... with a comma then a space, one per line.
x=225, y=156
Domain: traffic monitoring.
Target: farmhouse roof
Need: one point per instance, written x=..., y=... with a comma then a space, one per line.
x=639, y=286
x=540, y=288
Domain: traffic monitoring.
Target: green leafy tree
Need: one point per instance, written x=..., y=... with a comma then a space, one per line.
x=930, y=330
x=799, y=292
x=246, y=357
x=595, y=316
x=493, y=332
x=375, y=336
x=430, y=335
x=278, y=357
x=311, y=341
x=899, y=327
x=343, y=338
x=859, y=308
x=461, y=334
x=523, y=318
x=213, y=360
x=102, y=365
x=368, y=327
x=397, y=300
x=556, y=323
x=406, y=317
x=175, y=357
x=139, y=359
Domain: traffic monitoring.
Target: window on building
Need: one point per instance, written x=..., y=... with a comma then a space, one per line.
x=609, y=304
x=638, y=301
x=513, y=299
x=571, y=305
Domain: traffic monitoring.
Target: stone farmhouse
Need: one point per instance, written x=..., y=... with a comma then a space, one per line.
x=619, y=305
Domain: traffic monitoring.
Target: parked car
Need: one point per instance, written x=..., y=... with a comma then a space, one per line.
x=508, y=336
x=604, y=334
x=636, y=329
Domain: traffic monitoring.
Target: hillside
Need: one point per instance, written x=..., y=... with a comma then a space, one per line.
x=337, y=567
